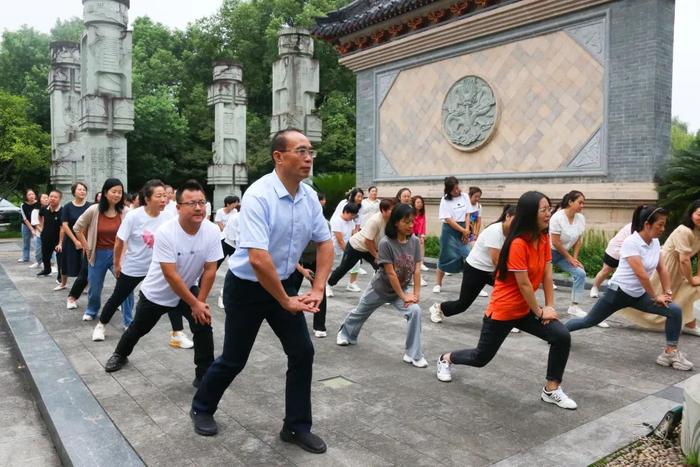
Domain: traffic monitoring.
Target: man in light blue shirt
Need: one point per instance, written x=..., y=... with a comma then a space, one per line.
x=278, y=218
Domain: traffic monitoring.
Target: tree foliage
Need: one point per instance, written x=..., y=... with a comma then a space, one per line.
x=174, y=127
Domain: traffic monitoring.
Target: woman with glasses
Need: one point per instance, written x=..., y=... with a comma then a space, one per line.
x=399, y=260
x=525, y=264
x=101, y=222
x=630, y=286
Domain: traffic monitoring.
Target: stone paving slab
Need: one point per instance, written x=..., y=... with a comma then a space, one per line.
x=387, y=412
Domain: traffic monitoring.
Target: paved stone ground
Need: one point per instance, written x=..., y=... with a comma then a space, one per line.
x=24, y=439
x=382, y=411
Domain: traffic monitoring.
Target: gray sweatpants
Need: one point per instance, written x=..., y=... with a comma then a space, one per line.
x=370, y=301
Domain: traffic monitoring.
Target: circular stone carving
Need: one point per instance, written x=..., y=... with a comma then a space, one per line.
x=469, y=113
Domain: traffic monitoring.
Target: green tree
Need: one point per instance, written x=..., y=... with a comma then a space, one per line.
x=679, y=183
x=680, y=137
x=24, y=146
x=67, y=30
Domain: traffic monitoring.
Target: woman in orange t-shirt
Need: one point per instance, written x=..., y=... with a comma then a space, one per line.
x=525, y=262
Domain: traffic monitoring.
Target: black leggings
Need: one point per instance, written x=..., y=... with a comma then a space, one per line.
x=473, y=280
x=494, y=332
x=350, y=258
x=48, y=246
x=81, y=281
x=320, y=316
x=228, y=251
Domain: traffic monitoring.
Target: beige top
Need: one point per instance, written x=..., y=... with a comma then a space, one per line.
x=372, y=229
x=87, y=222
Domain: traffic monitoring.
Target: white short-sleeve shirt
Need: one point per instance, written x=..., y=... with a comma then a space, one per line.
x=624, y=276
x=138, y=230
x=345, y=228
x=456, y=208
x=568, y=233
x=231, y=229
x=222, y=216
x=480, y=255
x=615, y=243
x=188, y=252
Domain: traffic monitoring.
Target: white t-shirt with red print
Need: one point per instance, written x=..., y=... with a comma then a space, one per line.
x=137, y=230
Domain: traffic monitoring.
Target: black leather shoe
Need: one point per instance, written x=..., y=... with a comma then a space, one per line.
x=196, y=381
x=43, y=273
x=115, y=363
x=204, y=423
x=304, y=439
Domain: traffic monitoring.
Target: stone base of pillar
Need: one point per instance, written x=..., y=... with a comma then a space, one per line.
x=227, y=180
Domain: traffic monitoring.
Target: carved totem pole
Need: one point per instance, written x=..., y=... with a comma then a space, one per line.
x=64, y=91
x=106, y=106
x=228, y=173
x=295, y=84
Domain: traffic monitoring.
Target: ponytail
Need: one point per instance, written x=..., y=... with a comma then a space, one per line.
x=644, y=214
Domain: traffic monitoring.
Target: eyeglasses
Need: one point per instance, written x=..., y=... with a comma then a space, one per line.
x=303, y=152
x=191, y=204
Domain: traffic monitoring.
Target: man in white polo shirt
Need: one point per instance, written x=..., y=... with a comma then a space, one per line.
x=184, y=249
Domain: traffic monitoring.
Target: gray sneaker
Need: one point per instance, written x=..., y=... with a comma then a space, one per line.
x=674, y=359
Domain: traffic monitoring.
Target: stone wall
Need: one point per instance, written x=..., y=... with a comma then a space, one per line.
x=584, y=102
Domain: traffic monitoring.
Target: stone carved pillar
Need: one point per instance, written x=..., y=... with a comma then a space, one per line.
x=106, y=105
x=229, y=172
x=295, y=79
x=64, y=93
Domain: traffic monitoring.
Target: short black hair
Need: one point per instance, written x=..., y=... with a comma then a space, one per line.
x=74, y=186
x=386, y=204
x=279, y=140
x=230, y=199
x=400, y=211
x=150, y=186
x=189, y=185
x=352, y=208
x=55, y=190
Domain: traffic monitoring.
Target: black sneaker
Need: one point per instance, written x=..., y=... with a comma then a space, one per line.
x=115, y=363
x=204, y=423
x=304, y=439
x=43, y=273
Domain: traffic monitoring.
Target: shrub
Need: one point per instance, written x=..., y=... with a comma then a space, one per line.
x=679, y=183
x=432, y=246
x=334, y=186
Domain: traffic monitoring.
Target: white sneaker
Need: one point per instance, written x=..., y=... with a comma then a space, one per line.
x=329, y=291
x=179, y=340
x=421, y=363
x=54, y=270
x=59, y=287
x=692, y=331
x=423, y=283
x=674, y=359
x=603, y=325
x=34, y=266
x=483, y=294
x=98, y=334
x=444, y=370
x=576, y=310
x=514, y=330
x=437, y=289
x=423, y=267
x=20, y=260
x=436, y=314
x=340, y=340
x=352, y=287
x=220, y=302
x=87, y=317
x=361, y=272
x=448, y=273
x=594, y=292
x=559, y=398
x=554, y=286
x=320, y=334
x=70, y=305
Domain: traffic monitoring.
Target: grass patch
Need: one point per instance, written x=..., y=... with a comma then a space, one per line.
x=10, y=234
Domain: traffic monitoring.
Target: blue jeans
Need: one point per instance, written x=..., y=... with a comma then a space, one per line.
x=615, y=299
x=96, y=279
x=369, y=302
x=26, y=242
x=577, y=274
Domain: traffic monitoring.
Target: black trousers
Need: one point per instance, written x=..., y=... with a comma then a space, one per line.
x=124, y=286
x=228, y=251
x=320, y=316
x=248, y=304
x=48, y=245
x=147, y=315
x=473, y=280
x=81, y=281
x=350, y=258
x=494, y=332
